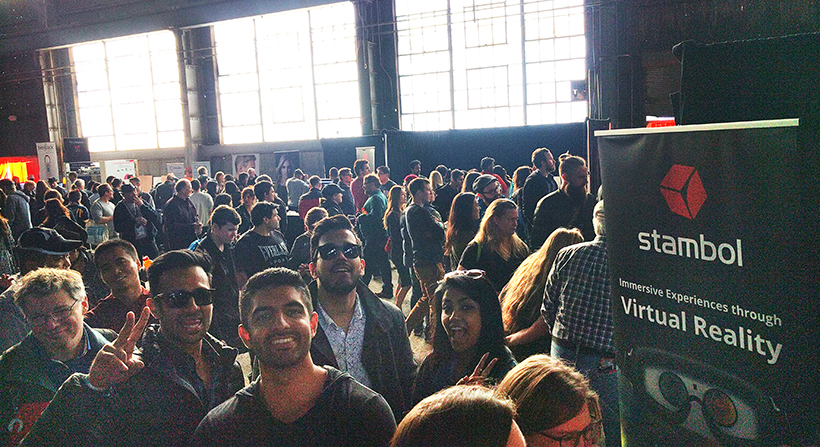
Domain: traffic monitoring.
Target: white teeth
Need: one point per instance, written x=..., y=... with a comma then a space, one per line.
x=280, y=341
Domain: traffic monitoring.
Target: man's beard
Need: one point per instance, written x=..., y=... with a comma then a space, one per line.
x=338, y=286
x=576, y=193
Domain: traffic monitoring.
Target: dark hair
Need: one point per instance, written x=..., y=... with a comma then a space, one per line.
x=195, y=185
x=520, y=176
x=469, y=179
x=262, y=210
x=315, y=181
x=414, y=163
x=223, y=199
x=480, y=290
x=383, y=170
x=261, y=188
x=539, y=156
x=230, y=187
x=359, y=165
x=211, y=188
x=202, y=170
x=487, y=162
x=569, y=163
x=223, y=215
x=325, y=226
x=268, y=279
x=104, y=189
x=7, y=185
x=345, y=172
x=547, y=393
x=54, y=208
x=457, y=416
x=176, y=260
x=181, y=184
x=314, y=215
x=333, y=172
x=461, y=224
x=248, y=190
x=111, y=244
x=116, y=182
x=417, y=185
x=372, y=178
x=74, y=195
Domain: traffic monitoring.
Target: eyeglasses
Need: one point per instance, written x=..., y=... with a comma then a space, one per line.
x=180, y=298
x=592, y=435
x=57, y=316
x=472, y=273
x=330, y=251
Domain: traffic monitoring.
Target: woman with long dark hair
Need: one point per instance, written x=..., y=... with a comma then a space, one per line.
x=462, y=226
x=469, y=335
x=521, y=298
x=232, y=190
x=59, y=218
x=496, y=248
x=396, y=203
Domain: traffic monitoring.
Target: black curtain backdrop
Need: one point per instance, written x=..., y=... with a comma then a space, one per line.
x=341, y=152
x=463, y=149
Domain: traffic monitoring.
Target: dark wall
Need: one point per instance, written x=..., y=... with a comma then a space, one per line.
x=630, y=45
x=510, y=146
x=23, y=119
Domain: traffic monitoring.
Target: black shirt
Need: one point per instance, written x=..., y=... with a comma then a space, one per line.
x=256, y=252
x=345, y=414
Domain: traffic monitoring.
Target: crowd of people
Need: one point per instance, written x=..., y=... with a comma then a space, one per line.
x=124, y=311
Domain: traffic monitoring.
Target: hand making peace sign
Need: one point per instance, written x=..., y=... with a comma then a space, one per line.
x=480, y=373
x=115, y=362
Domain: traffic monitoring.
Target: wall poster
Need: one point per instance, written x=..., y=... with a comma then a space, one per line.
x=714, y=259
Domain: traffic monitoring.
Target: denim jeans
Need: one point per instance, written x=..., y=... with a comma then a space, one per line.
x=603, y=383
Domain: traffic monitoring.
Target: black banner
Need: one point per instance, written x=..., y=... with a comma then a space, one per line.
x=714, y=258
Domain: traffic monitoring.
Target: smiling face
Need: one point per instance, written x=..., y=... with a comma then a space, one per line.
x=56, y=322
x=461, y=318
x=280, y=328
x=338, y=275
x=118, y=269
x=187, y=325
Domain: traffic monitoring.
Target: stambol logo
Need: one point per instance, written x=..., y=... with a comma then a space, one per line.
x=683, y=191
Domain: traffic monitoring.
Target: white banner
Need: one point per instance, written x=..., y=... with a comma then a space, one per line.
x=47, y=156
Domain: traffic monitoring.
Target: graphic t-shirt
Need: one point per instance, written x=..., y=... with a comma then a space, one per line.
x=254, y=252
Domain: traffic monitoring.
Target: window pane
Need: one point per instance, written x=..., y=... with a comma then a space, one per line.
x=240, y=109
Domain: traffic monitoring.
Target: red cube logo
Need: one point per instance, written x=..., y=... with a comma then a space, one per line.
x=683, y=191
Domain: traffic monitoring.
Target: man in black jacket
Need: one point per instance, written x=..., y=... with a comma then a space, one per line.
x=538, y=184
x=136, y=222
x=182, y=225
x=294, y=402
x=358, y=333
x=160, y=396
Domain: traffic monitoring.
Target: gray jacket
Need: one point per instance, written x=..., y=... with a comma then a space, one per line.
x=18, y=213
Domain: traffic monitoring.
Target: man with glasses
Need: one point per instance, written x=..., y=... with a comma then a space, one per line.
x=487, y=190
x=59, y=344
x=159, y=397
x=358, y=333
x=37, y=247
x=294, y=401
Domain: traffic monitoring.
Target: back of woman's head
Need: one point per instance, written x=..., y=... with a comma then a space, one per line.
x=468, y=181
x=517, y=296
x=462, y=212
x=55, y=208
x=547, y=393
x=475, y=285
x=520, y=176
x=460, y=416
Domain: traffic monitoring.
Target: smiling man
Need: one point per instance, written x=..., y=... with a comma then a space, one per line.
x=53, y=301
x=161, y=396
x=294, y=402
x=357, y=333
x=119, y=266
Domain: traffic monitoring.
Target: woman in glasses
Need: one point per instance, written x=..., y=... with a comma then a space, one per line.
x=521, y=298
x=468, y=342
x=496, y=248
x=555, y=405
x=460, y=416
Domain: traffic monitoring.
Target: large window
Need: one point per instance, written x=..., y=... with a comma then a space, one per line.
x=485, y=63
x=128, y=93
x=289, y=76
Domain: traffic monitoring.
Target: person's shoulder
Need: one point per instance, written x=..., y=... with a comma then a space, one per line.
x=346, y=393
x=236, y=408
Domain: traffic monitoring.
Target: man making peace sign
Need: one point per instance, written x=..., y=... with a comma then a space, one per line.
x=158, y=396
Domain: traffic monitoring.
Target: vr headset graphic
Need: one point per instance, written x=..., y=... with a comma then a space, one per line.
x=702, y=399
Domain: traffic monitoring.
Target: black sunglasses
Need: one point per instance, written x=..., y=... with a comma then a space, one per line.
x=180, y=298
x=330, y=251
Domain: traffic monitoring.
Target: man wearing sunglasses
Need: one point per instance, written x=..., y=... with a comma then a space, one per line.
x=294, y=401
x=358, y=333
x=161, y=395
x=58, y=345
x=487, y=190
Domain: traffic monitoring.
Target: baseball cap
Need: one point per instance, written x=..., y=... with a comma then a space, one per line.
x=46, y=241
x=482, y=181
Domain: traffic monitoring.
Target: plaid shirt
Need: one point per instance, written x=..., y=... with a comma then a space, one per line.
x=577, y=297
